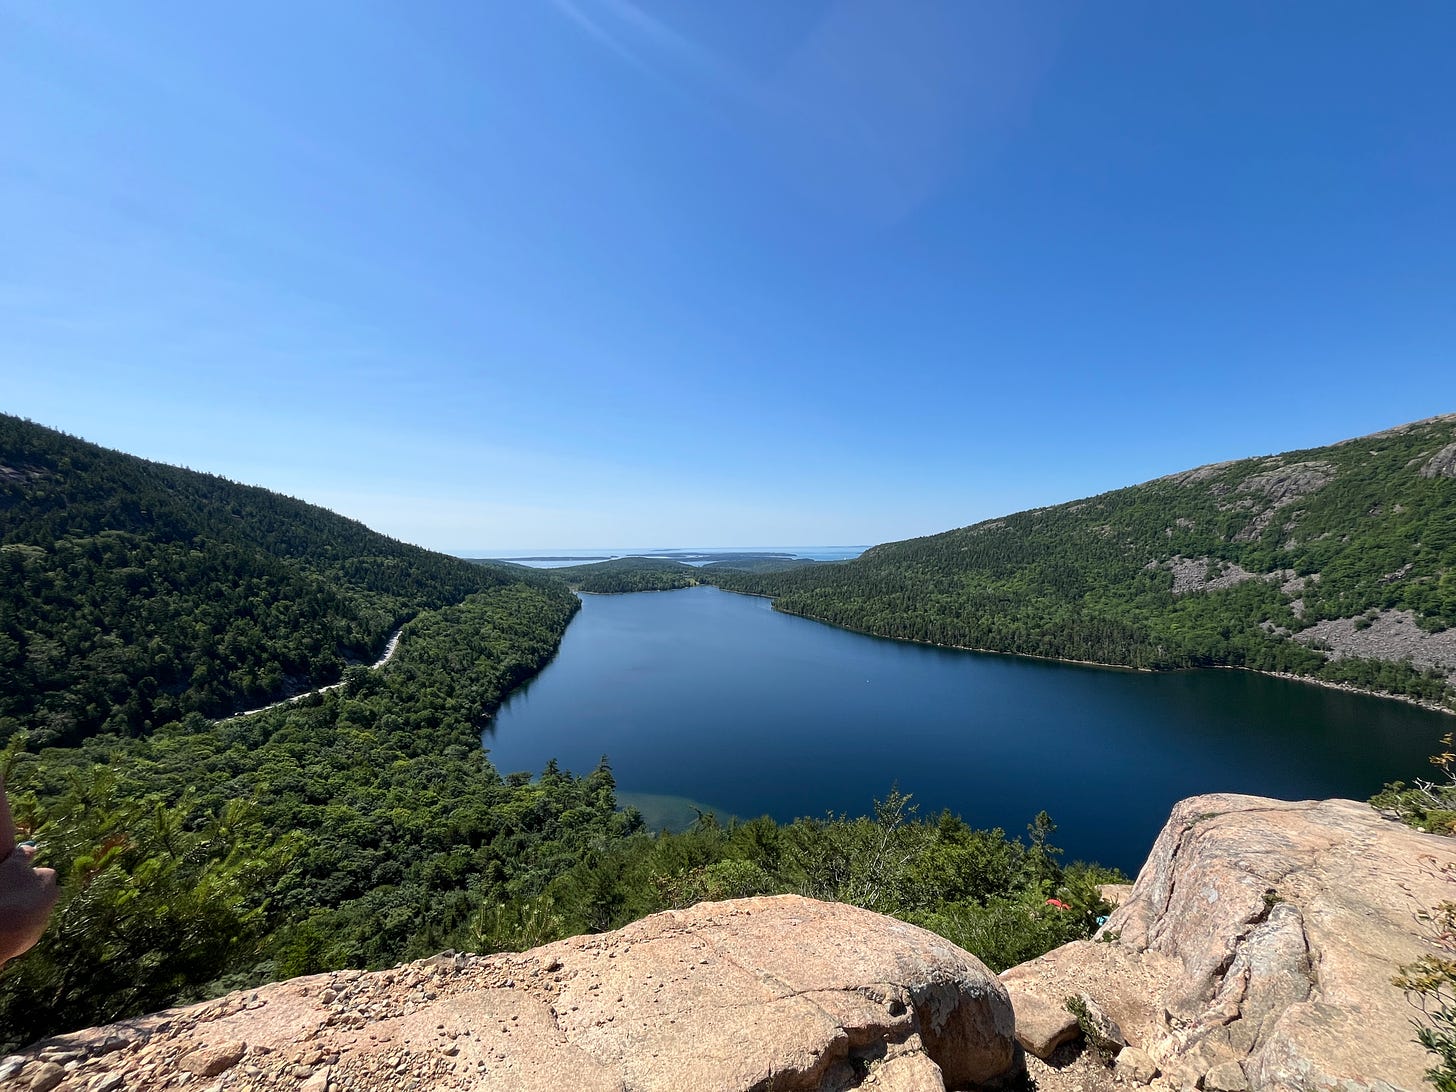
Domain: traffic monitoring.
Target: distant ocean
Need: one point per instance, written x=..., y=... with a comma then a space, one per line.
x=554, y=558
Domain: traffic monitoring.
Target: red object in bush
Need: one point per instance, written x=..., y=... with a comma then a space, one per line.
x=1058, y=903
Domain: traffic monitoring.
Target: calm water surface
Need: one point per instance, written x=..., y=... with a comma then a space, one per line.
x=702, y=697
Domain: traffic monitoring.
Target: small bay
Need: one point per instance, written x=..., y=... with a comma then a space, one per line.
x=704, y=699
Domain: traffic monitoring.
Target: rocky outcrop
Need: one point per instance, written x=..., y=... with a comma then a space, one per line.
x=1265, y=493
x=1442, y=464
x=780, y=994
x=1257, y=948
x=1282, y=485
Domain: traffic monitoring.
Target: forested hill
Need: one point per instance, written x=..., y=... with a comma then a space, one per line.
x=133, y=593
x=1336, y=562
x=629, y=574
x=635, y=574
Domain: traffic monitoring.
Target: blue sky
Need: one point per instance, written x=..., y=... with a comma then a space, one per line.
x=597, y=272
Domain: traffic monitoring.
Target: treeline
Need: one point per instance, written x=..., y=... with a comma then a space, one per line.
x=133, y=594
x=1093, y=580
x=1004, y=899
x=629, y=574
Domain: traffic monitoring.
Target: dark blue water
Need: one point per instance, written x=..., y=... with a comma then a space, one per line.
x=705, y=698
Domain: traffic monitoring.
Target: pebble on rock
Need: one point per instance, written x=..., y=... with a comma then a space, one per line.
x=209, y=1061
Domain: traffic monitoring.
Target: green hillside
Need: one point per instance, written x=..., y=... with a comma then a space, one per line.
x=356, y=827
x=1336, y=562
x=133, y=593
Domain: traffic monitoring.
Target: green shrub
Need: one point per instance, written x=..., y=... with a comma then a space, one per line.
x=1426, y=805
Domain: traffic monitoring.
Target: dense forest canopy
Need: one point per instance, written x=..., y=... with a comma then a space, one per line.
x=1235, y=564
x=633, y=574
x=629, y=574
x=133, y=593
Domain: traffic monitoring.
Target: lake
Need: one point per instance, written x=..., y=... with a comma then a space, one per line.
x=703, y=698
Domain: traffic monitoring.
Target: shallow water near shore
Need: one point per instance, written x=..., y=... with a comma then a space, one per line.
x=716, y=700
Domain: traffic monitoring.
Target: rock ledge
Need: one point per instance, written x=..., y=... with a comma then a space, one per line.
x=780, y=994
x=1257, y=948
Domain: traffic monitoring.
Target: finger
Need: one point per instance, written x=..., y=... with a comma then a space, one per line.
x=7, y=825
x=50, y=891
x=28, y=850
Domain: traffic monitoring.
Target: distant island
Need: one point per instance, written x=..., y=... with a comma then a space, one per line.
x=664, y=570
x=699, y=556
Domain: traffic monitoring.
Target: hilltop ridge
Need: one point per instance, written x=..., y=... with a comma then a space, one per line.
x=1335, y=563
x=135, y=593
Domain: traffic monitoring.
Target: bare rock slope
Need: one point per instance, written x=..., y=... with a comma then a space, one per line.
x=779, y=993
x=1256, y=949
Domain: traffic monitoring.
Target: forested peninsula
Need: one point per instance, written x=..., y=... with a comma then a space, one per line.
x=629, y=574
x=1336, y=564
x=201, y=851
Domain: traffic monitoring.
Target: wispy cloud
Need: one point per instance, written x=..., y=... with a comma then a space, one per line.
x=688, y=54
x=595, y=30
x=869, y=113
x=653, y=47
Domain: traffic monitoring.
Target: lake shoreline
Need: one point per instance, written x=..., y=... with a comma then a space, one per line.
x=1288, y=676
x=1349, y=688
x=703, y=696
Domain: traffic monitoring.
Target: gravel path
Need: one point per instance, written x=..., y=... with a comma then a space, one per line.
x=390, y=648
